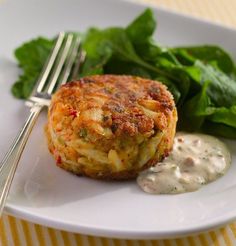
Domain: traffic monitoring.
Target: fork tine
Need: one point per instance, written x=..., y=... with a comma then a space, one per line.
x=48, y=65
x=58, y=66
x=71, y=59
x=79, y=61
x=63, y=55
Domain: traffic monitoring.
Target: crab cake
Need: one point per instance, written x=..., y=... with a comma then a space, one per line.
x=111, y=126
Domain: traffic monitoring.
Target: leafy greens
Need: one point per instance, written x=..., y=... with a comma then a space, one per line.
x=202, y=79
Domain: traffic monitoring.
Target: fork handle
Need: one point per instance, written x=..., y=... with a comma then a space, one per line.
x=12, y=157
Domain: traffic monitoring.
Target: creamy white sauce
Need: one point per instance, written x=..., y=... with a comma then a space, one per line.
x=196, y=159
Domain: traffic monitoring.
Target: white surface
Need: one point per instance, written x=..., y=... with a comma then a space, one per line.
x=45, y=194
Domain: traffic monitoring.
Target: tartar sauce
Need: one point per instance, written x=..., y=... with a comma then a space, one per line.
x=196, y=159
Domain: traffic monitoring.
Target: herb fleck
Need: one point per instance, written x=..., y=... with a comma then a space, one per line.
x=105, y=117
x=114, y=127
x=83, y=132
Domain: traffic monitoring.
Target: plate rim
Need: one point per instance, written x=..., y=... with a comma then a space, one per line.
x=127, y=234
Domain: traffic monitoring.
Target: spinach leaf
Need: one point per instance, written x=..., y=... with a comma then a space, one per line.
x=101, y=45
x=210, y=54
x=115, y=66
x=177, y=76
x=222, y=89
x=224, y=115
x=192, y=114
x=140, y=33
x=219, y=129
x=142, y=27
x=98, y=52
x=31, y=57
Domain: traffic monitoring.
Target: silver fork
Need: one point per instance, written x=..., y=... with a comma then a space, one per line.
x=55, y=72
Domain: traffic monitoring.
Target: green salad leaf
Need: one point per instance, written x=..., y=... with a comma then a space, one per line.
x=210, y=54
x=202, y=78
x=221, y=89
x=31, y=57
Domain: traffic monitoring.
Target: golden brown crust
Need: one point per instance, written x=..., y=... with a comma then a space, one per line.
x=107, y=111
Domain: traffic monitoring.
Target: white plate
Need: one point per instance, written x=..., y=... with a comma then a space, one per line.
x=45, y=194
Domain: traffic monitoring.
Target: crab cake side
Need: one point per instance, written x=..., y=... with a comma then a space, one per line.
x=111, y=126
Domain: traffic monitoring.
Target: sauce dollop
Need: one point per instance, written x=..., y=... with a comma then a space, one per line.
x=196, y=159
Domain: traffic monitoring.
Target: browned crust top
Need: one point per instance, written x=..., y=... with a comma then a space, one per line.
x=123, y=99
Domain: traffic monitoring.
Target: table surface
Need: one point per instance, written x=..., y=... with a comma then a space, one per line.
x=18, y=232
